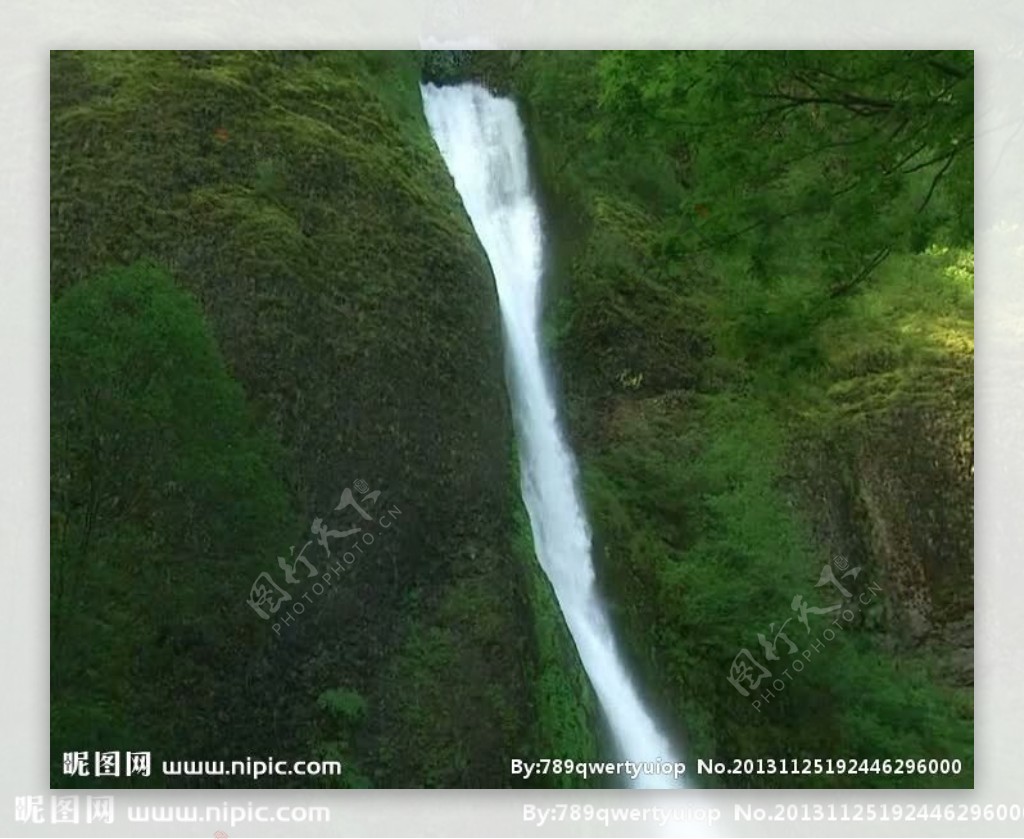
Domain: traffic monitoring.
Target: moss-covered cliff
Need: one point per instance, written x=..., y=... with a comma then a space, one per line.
x=299, y=199
x=266, y=294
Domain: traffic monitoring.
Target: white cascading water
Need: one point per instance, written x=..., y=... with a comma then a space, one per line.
x=482, y=141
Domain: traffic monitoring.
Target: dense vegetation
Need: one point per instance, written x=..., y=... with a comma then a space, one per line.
x=761, y=306
x=164, y=493
x=290, y=330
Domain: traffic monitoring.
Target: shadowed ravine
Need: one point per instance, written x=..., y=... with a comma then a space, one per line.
x=482, y=142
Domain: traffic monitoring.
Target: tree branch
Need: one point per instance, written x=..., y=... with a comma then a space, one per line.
x=937, y=178
x=918, y=166
x=863, y=274
x=860, y=105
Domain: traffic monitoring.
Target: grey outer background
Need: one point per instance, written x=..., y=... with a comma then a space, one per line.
x=29, y=29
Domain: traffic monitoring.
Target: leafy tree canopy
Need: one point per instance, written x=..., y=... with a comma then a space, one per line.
x=848, y=156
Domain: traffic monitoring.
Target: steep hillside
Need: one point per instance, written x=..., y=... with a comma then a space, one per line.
x=769, y=388
x=293, y=208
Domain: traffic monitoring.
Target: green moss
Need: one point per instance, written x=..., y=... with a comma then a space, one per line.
x=453, y=695
x=300, y=199
x=566, y=715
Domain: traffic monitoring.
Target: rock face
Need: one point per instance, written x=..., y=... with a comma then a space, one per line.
x=895, y=481
x=300, y=199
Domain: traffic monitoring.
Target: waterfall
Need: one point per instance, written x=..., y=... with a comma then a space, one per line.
x=481, y=140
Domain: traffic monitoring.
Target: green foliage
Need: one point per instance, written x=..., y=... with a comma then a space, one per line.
x=165, y=498
x=768, y=360
x=346, y=710
x=844, y=156
x=703, y=551
x=344, y=705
